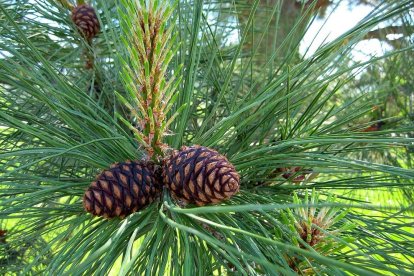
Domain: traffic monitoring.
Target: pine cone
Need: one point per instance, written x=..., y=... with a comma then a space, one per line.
x=200, y=175
x=3, y=234
x=288, y=173
x=85, y=19
x=123, y=189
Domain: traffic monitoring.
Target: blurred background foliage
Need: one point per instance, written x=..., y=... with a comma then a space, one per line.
x=291, y=114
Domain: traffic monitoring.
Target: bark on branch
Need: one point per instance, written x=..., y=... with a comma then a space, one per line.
x=319, y=3
x=382, y=33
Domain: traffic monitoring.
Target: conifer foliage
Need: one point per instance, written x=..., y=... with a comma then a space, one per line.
x=158, y=137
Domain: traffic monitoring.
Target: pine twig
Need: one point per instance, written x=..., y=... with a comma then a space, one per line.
x=151, y=47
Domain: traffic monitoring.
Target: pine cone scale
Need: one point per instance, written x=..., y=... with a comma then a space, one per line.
x=202, y=197
x=208, y=191
x=109, y=202
x=192, y=188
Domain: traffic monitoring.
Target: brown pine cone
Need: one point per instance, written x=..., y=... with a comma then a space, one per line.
x=3, y=235
x=123, y=189
x=85, y=19
x=294, y=174
x=200, y=175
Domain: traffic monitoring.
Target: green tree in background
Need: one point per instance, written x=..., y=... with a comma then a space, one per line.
x=323, y=144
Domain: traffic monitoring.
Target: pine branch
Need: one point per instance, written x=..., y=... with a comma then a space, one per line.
x=55, y=136
x=382, y=33
x=315, y=4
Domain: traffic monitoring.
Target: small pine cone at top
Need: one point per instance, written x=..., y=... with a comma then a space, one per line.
x=123, y=189
x=200, y=175
x=85, y=19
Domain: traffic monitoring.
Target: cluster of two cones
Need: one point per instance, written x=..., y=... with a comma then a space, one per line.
x=196, y=175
